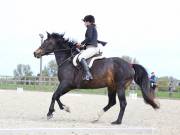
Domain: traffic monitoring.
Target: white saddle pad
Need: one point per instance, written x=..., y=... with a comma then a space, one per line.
x=90, y=63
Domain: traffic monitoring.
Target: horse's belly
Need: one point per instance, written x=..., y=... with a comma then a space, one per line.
x=92, y=84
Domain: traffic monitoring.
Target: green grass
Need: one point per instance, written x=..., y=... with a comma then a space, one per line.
x=29, y=87
x=102, y=91
x=163, y=94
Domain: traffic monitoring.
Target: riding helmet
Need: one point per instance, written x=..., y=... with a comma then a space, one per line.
x=89, y=18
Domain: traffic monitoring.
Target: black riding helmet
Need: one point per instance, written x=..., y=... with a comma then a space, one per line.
x=89, y=18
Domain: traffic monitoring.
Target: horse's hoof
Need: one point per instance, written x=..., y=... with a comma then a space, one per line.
x=100, y=113
x=67, y=109
x=116, y=122
x=49, y=116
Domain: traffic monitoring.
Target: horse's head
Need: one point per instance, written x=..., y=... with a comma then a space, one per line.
x=53, y=42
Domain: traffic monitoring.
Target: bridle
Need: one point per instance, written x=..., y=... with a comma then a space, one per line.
x=63, y=50
x=51, y=52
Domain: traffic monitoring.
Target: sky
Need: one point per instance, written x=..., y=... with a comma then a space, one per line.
x=148, y=30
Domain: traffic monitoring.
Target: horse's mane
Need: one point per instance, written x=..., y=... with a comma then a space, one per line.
x=57, y=35
x=67, y=41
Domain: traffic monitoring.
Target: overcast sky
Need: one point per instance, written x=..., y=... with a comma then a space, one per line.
x=148, y=30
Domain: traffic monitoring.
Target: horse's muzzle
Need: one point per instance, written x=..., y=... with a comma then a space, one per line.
x=38, y=53
x=35, y=55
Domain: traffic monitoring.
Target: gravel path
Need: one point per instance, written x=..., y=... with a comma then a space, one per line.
x=25, y=114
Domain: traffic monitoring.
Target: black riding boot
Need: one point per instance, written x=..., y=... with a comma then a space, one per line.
x=87, y=75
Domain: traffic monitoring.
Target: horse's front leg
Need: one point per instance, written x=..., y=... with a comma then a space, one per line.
x=61, y=106
x=61, y=90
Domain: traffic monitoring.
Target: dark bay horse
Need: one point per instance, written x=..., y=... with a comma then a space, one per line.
x=113, y=73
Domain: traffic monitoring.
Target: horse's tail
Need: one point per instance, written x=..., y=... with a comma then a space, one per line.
x=142, y=79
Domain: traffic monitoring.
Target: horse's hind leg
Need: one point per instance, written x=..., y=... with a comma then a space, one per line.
x=123, y=103
x=112, y=99
x=111, y=102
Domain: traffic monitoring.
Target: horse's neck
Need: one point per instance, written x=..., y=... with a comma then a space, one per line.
x=61, y=57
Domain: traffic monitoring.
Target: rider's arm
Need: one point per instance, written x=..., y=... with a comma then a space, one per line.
x=88, y=35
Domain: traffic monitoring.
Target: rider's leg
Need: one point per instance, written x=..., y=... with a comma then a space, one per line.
x=88, y=75
x=89, y=52
x=85, y=54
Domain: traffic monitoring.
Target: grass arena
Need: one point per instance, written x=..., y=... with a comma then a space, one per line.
x=24, y=113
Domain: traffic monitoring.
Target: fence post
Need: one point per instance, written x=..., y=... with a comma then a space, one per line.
x=6, y=82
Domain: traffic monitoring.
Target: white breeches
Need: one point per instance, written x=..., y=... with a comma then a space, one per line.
x=89, y=52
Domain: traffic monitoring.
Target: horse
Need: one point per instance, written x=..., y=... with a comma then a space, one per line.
x=114, y=73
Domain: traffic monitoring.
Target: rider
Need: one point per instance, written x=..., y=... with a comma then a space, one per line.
x=90, y=43
x=153, y=80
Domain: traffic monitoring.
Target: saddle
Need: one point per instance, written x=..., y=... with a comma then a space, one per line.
x=89, y=60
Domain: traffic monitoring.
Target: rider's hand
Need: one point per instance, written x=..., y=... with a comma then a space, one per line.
x=78, y=45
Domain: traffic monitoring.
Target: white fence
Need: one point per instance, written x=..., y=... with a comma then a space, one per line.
x=28, y=80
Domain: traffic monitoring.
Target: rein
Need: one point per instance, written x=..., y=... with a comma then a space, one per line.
x=65, y=61
x=61, y=50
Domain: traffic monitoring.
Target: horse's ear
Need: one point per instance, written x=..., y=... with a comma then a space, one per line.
x=66, y=40
x=62, y=35
x=48, y=35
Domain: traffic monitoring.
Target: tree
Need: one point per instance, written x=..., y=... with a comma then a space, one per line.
x=22, y=70
x=45, y=71
x=135, y=61
x=130, y=60
x=50, y=69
